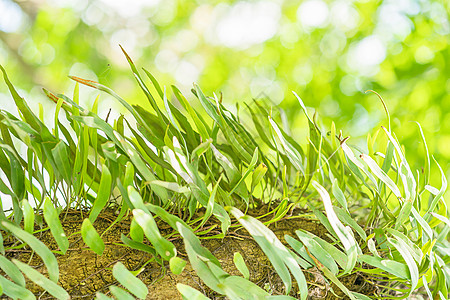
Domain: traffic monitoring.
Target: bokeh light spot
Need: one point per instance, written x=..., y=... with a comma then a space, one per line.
x=247, y=23
x=313, y=13
x=11, y=16
x=366, y=54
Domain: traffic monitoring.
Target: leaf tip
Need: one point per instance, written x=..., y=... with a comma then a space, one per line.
x=87, y=82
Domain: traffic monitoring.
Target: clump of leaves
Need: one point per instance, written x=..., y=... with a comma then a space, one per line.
x=384, y=219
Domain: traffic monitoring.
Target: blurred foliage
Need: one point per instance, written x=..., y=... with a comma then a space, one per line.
x=329, y=52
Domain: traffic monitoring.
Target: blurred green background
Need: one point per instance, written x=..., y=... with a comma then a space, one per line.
x=329, y=52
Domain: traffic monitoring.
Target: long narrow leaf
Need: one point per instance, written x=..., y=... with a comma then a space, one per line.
x=103, y=194
x=190, y=293
x=52, y=218
x=91, y=237
x=51, y=287
x=12, y=271
x=279, y=256
x=15, y=291
x=42, y=250
x=165, y=248
x=129, y=281
x=344, y=233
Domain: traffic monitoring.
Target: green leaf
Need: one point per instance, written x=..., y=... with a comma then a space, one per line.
x=136, y=232
x=335, y=253
x=409, y=182
x=432, y=205
x=187, y=234
x=17, y=174
x=137, y=245
x=142, y=167
x=91, y=237
x=290, y=150
x=56, y=118
x=425, y=226
x=230, y=169
x=441, y=218
x=51, y=287
x=2, y=247
x=279, y=297
x=236, y=287
x=427, y=167
x=169, y=111
x=142, y=86
x=337, y=282
x=318, y=252
x=176, y=265
x=350, y=221
x=240, y=265
x=201, y=125
x=381, y=175
x=314, y=141
x=306, y=261
x=171, y=186
x=164, y=248
x=391, y=266
x=344, y=233
x=15, y=291
x=258, y=175
x=28, y=216
x=211, y=203
x=190, y=293
x=413, y=248
x=103, y=194
x=51, y=216
x=101, y=296
x=61, y=156
x=129, y=281
x=201, y=264
x=208, y=106
x=403, y=215
x=129, y=174
x=261, y=123
x=196, y=184
x=403, y=249
x=250, y=168
x=12, y=271
x=26, y=112
x=338, y=194
x=136, y=199
x=355, y=165
x=278, y=254
x=120, y=293
x=42, y=250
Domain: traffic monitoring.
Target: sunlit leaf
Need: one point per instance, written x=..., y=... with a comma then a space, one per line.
x=120, y=293
x=344, y=233
x=15, y=291
x=190, y=293
x=279, y=256
x=176, y=265
x=38, y=246
x=129, y=281
x=12, y=271
x=104, y=192
x=165, y=248
x=52, y=218
x=240, y=265
x=91, y=237
x=51, y=287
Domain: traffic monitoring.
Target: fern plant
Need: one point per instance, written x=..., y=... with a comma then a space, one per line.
x=184, y=167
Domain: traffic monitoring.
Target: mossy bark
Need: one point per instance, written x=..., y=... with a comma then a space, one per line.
x=83, y=273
